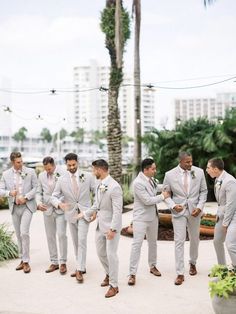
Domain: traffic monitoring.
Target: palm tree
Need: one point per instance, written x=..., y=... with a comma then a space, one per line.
x=20, y=136
x=46, y=135
x=115, y=25
x=136, y=10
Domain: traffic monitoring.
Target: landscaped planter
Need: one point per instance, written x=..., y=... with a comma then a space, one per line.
x=207, y=230
x=222, y=305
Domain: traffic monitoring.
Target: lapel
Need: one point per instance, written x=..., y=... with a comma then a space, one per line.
x=150, y=189
x=102, y=194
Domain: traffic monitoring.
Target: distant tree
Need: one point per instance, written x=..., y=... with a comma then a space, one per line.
x=46, y=135
x=20, y=137
x=78, y=135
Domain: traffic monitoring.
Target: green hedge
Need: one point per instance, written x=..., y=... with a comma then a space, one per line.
x=8, y=249
x=3, y=203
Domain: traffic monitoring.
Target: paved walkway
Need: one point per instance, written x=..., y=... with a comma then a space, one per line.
x=41, y=293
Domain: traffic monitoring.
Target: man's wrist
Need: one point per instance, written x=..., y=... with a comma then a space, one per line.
x=113, y=230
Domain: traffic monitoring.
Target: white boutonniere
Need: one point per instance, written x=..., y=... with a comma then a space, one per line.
x=103, y=187
x=193, y=176
x=56, y=176
x=82, y=177
x=23, y=175
x=218, y=183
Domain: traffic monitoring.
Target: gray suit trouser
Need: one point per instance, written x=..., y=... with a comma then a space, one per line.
x=79, y=232
x=55, y=225
x=140, y=228
x=107, y=253
x=21, y=218
x=230, y=240
x=218, y=241
x=193, y=225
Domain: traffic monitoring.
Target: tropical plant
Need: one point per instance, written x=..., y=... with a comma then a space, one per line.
x=128, y=197
x=136, y=10
x=3, y=203
x=46, y=135
x=115, y=25
x=8, y=249
x=224, y=283
x=20, y=136
x=208, y=223
x=78, y=135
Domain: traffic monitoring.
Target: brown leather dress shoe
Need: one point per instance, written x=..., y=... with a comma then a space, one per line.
x=111, y=292
x=52, y=268
x=105, y=281
x=179, y=280
x=20, y=266
x=79, y=276
x=63, y=269
x=132, y=280
x=155, y=271
x=192, y=270
x=74, y=274
x=26, y=268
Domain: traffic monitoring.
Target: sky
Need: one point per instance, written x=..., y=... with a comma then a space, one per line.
x=183, y=44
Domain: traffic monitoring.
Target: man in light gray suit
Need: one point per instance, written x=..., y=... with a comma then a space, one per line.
x=225, y=193
x=19, y=184
x=72, y=194
x=108, y=205
x=187, y=185
x=54, y=220
x=145, y=218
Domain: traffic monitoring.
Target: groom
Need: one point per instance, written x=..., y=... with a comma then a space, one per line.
x=187, y=185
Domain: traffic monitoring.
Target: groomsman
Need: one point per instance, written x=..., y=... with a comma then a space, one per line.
x=187, y=185
x=145, y=218
x=19, y=184
x=225, y=193
x=72, y=194
x=108, y=205
x=54, y=220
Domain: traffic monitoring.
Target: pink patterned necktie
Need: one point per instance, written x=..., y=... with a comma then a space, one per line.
x=75, y=184
x=186, y=181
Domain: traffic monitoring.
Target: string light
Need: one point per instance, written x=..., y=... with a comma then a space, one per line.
x=102, y=88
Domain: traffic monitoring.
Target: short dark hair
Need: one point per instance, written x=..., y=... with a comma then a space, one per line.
x=147, y=163
x=48, y=160
x=217, y=163
x=100, y=163
x=183, y=155
x=15, y=155
x=71, y=156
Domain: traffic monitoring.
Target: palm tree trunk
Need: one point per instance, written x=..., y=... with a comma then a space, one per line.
x=137, y=89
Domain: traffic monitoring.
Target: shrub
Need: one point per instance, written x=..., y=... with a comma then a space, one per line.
x=3, y=203
x=127, y=195
x=8, y=249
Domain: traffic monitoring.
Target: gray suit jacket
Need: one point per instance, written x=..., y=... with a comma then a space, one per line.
x=108, y=205
x=29, y=186
x=225, y=193
x=64, y=191
x=145, y=199
x=195, y=198
x=44, y=190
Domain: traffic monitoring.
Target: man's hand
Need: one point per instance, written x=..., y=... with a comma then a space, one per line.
x=42, y=207
x=21, y=200
x=93, y=217
x=111, y=234
x=178, y=208
x=165, y=194
x=13, y=193
x=80, y=215
x=196, y=212
x=63, y=206
x=224, y=229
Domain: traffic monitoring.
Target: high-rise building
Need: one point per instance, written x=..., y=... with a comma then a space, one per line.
x=211, y=108
x=91, y=101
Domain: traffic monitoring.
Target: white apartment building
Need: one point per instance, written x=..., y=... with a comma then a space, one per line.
x=211, y=108
x=90, y=104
